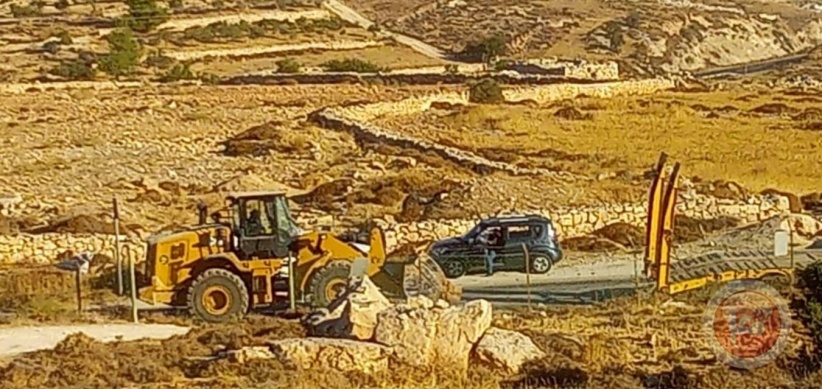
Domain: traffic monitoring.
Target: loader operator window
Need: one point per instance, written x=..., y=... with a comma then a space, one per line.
x=258, y=222
x=286, y=226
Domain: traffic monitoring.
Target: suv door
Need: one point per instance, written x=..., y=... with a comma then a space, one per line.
x=516, y=235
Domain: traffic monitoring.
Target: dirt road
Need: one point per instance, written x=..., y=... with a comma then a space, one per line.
x=348, y=14
x=25, y=339
x=597, y=281
x=576, y=273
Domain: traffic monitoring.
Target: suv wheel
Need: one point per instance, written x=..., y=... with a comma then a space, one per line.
x=454, y=268
x=540, y=263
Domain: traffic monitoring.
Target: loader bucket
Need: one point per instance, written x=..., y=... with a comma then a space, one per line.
x=415, y=275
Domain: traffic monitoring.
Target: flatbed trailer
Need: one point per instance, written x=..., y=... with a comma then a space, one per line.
x=661, y=272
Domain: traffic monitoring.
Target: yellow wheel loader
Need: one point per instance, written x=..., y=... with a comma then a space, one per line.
x=220, y=269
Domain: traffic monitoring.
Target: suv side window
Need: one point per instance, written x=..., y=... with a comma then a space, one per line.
x=519, y=233
x=537, y=231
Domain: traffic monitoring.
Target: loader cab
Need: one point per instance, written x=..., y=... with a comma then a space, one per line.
x=262, y=224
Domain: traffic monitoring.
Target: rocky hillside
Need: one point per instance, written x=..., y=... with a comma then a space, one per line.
x=692, y=37
x=647, y=36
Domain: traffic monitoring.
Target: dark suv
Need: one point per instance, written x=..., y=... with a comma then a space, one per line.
x=460, y=255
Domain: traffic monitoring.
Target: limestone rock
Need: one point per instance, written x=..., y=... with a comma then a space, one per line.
x=423, y=336
x=420, y=302
x=506, y=350
x=332, y=354
x=248, y=353
x=409, y=332
x=365, y=303
x=804, y=226
x=353, y=315
x=458, y=330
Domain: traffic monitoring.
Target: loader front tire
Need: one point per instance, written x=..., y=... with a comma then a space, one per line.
x=329, y=282
x=218, y=296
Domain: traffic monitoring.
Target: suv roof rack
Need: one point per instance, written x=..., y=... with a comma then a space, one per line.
x=516, y=218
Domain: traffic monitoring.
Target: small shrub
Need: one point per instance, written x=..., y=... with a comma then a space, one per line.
x=452, y=69
x=222, y=30
x=615, y=36
x=124, y=54
x=157, y=59
x=61, y=4
x=78, y=69
x=351, y=65
x=144, y=15
x=175, y=4
x=808, y=307
x=288, y=65
x=51, y=47
x=208, y=78
x=63, y=36
x=26, y=11
x=633, y=20
x=486, y=91
x=501, y=65
x=177, y=73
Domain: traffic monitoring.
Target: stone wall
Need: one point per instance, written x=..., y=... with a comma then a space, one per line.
x=570, y=222
x=575, y=221
x=370, y=134
x=21, y=88
x=549, y=93
x=256, y=52
x=46, y=248
x=603, y=71
x=540, y=94
x=405, y=77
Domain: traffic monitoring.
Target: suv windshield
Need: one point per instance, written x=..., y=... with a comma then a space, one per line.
x=474, y=231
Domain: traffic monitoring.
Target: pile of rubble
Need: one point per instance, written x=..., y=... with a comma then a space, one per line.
x=362, y=331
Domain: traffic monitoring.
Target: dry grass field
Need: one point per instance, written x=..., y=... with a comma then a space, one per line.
x=760, y=139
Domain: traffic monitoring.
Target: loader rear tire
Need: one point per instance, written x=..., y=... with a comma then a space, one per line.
x=328, y=283
x=218, y=296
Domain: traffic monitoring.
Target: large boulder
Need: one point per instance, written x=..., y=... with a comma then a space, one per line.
x=332, y=354
x=506, y=350
x=439, y=335
x=805, y=227
x=353, y=315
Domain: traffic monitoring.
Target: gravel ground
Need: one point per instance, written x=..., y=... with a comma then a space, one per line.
x=25, y=339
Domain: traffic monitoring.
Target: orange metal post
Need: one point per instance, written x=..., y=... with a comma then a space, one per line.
x=652, y=226
x=667, y=234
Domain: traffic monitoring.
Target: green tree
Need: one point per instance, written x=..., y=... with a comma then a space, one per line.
x=486, y=49
x=124, y=53
x=144, y=15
